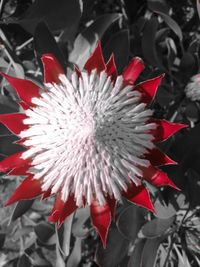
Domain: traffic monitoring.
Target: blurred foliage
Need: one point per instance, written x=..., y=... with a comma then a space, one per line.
x=166, y=34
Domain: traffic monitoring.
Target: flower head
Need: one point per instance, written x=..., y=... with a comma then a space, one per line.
x=89, y=139
x=192, y=89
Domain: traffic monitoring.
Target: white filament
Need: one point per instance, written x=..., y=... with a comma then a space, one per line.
x=88, y=137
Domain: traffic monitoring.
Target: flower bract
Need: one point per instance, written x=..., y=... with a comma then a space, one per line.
x=89, y=139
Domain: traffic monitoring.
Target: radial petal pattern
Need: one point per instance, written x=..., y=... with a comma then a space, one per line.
x=89, y=139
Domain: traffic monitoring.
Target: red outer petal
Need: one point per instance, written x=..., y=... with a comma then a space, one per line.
x=78, y=72
x=148, y=88
x=62, y=209
x=111, y=69
x=28, y=189
x=139, y=195
x=13, y=161
x=157, y=177
x=46, y=194
x=96, y=60
x=52, y=69
x=165, y=129
x=158, y=158
x=101, y=219
x=25, y=89
x=24, y=105
x=133, y=70
x=23, y=170
x=14, y=122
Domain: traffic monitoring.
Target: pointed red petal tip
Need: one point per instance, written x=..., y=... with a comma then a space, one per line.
x=139, y=195
x=13, y=161
x=96, y=60
x=62, y=209
x=52, y=69
x=28, y=189
x=165, y=129
x=25, y=89
x=157, y=177
x=14, y=122
x=101, y=219
x=133, y=70
x=111, y=69
x=158, y=158
x=149, y=88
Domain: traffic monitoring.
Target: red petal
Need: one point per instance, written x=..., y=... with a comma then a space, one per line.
x=46, y=194
x=158, y=158
x=165, y=129
x=111, y=69
x=24, y=105
x=157, y=177
x=100, y=216
x=28, y=189
x=112, y=204
x=148, y=88
x=96, y=61
x=62, y=209
x=52, y=69
x=14, y=122
x=78, y=72
x=13, y=161
x=25, y=89
x=139, y=195
x=23, y=170
x=133, y=70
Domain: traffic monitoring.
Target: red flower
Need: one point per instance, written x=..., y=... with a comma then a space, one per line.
x=89, y=139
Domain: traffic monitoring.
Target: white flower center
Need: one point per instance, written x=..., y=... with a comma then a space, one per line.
x=88, y=137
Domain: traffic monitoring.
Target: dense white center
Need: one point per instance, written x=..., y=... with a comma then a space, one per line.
x=88, y=137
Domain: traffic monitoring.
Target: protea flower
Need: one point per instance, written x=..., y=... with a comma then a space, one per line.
x=192, y=89
x=89, y=139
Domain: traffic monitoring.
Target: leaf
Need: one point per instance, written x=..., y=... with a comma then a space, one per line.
x=187, y=62
x=187, y=149
x=67, y=234
x=57, y=15
x=44, y=231
x=23, y=261
x=130, y=221
x=164, y=97
x=149, y=42
x=150, y=250
x=63, y=235
x=78, y=228
x=116, y=249
x=45, y=43
x=21, y=208
x=75, y=256
x=167, y=211
x=136, y=256
x=59, y=259
x=198, y=7
x=157, y=227
x=173, y=25
x=2, y=239
x=119, y=45
x=158, y=5
x=86, y=41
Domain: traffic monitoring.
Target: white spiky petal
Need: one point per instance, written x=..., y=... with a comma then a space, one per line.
x=88, y=137
x=192, y=89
